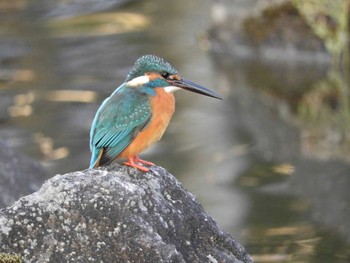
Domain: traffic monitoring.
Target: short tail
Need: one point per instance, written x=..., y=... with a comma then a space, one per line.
x=95, y=157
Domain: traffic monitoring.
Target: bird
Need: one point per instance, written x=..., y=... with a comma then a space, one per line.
x=137, y=113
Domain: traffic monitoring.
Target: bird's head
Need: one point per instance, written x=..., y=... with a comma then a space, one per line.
x=154, y=72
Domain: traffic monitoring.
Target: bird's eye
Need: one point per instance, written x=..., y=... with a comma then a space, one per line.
x=165, y=74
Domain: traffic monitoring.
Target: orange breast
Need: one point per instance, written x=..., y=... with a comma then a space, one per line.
x=163, y=107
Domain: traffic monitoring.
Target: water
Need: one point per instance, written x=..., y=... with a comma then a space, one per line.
x=269, y=162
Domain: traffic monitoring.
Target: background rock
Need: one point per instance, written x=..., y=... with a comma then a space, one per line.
x=273, y=30
x=19, y=175
x=115, y=214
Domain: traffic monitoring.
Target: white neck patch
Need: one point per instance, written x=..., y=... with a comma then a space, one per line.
x=171, y=89
x=139, y=81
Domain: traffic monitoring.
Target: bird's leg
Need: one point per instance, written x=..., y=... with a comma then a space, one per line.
x=138, y=160
x=131, y=162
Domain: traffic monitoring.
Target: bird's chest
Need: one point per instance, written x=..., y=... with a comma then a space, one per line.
x=163, y=107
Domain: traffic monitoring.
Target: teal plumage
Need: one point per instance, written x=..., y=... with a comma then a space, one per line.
x=150, y=63
x=117, y=122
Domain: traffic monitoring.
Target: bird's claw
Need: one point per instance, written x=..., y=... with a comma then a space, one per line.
x=132, y=162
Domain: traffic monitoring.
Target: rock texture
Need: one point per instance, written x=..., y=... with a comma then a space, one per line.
x=19, y=175
x=114, y=214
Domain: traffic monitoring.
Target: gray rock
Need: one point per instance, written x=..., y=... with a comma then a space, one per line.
x=19, y=175
x=115, y=214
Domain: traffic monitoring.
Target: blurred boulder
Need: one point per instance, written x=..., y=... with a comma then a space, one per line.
x=19, y=175
x=270, y=29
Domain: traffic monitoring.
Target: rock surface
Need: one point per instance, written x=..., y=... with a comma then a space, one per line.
x=19, y=175
x=114, y=214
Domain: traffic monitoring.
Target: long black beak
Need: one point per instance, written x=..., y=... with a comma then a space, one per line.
x=191, y=86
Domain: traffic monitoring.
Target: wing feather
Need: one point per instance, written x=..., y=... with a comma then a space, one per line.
x=117, y=122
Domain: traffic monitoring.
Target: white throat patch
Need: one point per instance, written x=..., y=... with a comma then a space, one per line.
x=139, y=81
x=171, y=89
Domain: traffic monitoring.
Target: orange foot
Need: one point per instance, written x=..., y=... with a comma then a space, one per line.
x=138, y=160
x=132, y=162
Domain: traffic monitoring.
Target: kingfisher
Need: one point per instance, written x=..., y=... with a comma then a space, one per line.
x=137, y=113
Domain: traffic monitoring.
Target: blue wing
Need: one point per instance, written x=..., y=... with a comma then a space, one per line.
x=117, y=122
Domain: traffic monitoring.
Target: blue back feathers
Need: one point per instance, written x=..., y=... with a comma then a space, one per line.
x=117, y=122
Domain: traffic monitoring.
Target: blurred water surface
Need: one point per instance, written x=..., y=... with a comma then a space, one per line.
x=270, y=162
